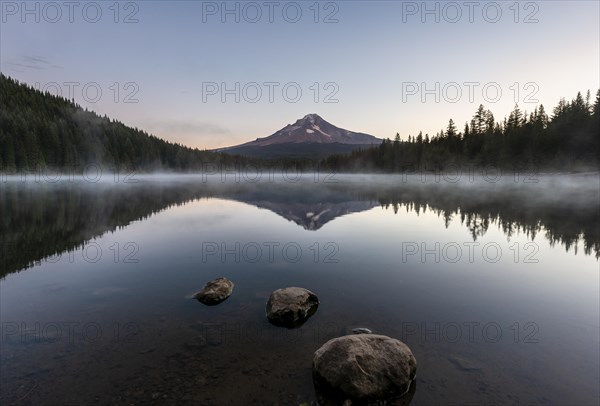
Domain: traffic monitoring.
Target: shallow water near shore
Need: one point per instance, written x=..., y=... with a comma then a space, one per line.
x=494, y=285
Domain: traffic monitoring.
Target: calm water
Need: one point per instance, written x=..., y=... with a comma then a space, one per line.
x=493, y=285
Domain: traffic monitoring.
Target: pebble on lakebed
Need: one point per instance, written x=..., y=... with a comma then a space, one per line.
x=215, y=291
x=364, y=368
x=291, y=307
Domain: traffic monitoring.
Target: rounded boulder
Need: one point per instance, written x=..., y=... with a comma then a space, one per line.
x=364, y=367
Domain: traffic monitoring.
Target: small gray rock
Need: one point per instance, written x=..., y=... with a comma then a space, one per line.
x=363, y=368
x=215, y=291
x=291, y=307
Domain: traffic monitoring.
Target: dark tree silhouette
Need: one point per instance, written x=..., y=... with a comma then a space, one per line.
x=570, y=140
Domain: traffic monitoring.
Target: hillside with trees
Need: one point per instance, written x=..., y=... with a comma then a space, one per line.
x=40, y=130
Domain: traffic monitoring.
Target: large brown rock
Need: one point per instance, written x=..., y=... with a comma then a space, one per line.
x=291, y=307
x=363, y=368
x=215, y=291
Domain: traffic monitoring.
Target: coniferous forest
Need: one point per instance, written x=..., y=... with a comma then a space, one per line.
x=40, y=130
x=568, y=138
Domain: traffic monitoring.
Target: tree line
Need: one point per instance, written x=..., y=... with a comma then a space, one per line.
x=568, y=139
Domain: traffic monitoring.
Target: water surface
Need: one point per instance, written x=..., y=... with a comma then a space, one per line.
x=493, y=285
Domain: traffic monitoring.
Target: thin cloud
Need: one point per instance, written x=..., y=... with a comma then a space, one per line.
x=33, y=62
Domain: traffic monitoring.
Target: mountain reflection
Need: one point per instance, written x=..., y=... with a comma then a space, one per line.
x=41, y=220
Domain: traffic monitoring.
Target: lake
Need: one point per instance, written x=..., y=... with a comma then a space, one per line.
x=492, y=281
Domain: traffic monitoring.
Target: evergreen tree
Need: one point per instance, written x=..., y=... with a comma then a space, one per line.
x=515, y=119
x=542, y=117
x=560, y=109
x=451, y=130
x=479, y=120
x=489, y=122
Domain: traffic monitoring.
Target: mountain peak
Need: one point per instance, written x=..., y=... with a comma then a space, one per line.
x=310, y=129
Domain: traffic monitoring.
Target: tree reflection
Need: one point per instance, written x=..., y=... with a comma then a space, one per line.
x=42, y=220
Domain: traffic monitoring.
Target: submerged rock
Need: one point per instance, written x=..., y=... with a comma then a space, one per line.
x=215, y=291
x=361, y=330
x=464, y=364
x=363, y=368
x=291, y=307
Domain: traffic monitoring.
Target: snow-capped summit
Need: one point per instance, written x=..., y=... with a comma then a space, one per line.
x=311, y=118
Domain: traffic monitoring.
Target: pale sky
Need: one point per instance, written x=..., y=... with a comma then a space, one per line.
x=362, y=65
